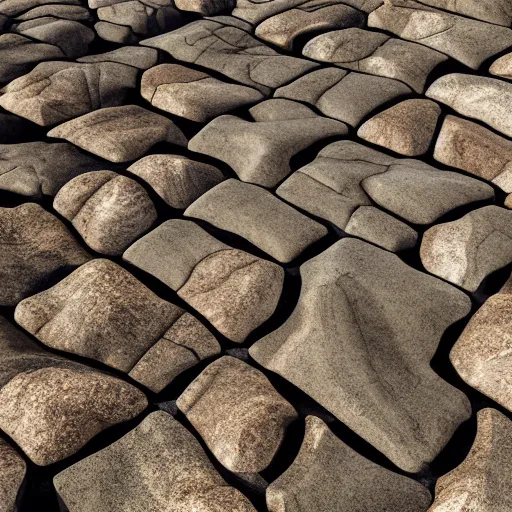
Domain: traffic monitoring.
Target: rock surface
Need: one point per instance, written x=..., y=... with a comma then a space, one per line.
x=136, y=56
x=12, y=473
x=502, y=67
x=206, y=7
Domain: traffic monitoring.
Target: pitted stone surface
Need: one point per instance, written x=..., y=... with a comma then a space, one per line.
x=12, y=473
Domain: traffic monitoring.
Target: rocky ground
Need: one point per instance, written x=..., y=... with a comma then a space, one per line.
x=255, y=255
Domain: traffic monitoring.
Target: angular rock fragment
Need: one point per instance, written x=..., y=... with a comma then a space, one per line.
x=487, y=99
x=234, y=290
x=158, y=466
x=377, y=54
x=108, y=210
x=178, y=180
x=12, y=473
x=360, y=341
x=119, y=134
x=136, y=56
x=238, y=413
x=328, y=475
x=51, y=406
x=206, y=7
x=467, y=250
x=258, y=216
x=481, y=481
x=14, y=7
x=406, y=128
x=102, y=312
x=193, y=94
x=502, y=67
x=348, y=97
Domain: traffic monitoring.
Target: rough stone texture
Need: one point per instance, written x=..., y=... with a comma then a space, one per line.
x=481, y=482
x=238, y=413
x=178, y=180
x=406, y=128
x=232, y=52
x=360, y=341
x=193, y=94
x=108, y=210
x=468, y=41
x=258, y=216
x=34, y=245
x=348, y=97
x=136, y=56
x=12, y=473
x=115, y=33
x=377, y=54
x=119, y=134
x=327, y=475
x=62, y=11
x=43, y=95
x=206, y=7
x=234, y=290
x=50, y=406
x=14, y=7
x=502, y=67
x=475, y=149
x=487, y=99
x=467, y=250
x=158, y=466
x=308, y=18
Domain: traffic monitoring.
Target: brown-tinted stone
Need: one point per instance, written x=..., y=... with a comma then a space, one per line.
x=206, y=7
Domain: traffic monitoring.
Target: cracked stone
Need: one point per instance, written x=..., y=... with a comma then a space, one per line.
x=12, y=473
x=502, y=67
x=136, y=56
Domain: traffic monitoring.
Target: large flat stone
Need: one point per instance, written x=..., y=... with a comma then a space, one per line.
x=136, y=56
x=14, y=7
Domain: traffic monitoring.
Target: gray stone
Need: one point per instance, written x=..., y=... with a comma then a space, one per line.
x=502, y=67
x=115, y=33
x=13, y=7
x=467, y=250
x=206, y=7
x=129, y=13
x=136, y=56
x=61, y=11
x=327, y=475
x=12, y=473
x=158, y=466
x=238, y=413
x=119, y=134
x=260, y=217
x=360, y=341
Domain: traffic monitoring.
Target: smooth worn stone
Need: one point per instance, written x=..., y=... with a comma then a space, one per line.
x=43, y=95
x=12, y=473
x=102, y=312
x=193, y=94
x=206, y=7
x=35, y=246
x=14, y=129
x=178, y=180
x=487, y=99
x=467, y=250
x=468, y=41
x=327, y=475
x=278, y=109
x=36, y=168
x=260, y=217
x=13, y=7
x=475, y=149
x=115, y=33
x=50, y=406
x=348, y=97
x=377, y=54
x=406, y=128
x=131, y=13
x=232, y=52
x=502, y=67
x=136, y=56
x=61, y=11
x=238, y=413
x=232, y=289
x=158, y=466
x=481, y=482
x=119, y=134
x=308, y=18
x=376, y=226
x=260, y=152
x=360, y=342
x=108, y=210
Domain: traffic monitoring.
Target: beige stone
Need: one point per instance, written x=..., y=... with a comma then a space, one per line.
x=502, y=67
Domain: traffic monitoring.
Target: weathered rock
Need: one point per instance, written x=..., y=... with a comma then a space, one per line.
x=487, y=99
x=258, y=216
x=178, y=180
x=232, y=52
x=234, y=290
x=406, y=128
x=238, y=413
x=43, y=95
x=158, y=466
x=308, y=18
x=61, y=11
x=468, y=41
x=14, y=7
x=481, y=481
x=206, y=7
x=360, y=341
x=193, y=94
x=108, y=210
x=115, y=33
x=502, y=67
x=119, y=134
x=12, y=473
x=136, y=56
x=348, y=97
x=377, y=54
x=328, y=475
x=51, y=406
x=102, y=312
x=467, y=250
